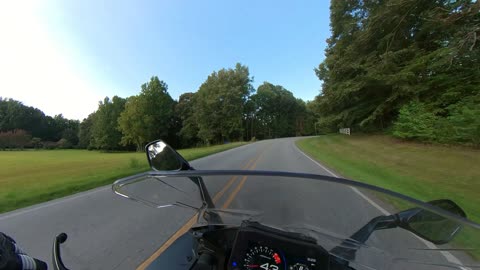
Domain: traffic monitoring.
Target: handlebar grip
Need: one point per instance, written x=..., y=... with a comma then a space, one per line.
x=29, y=263
x=41, y=265
x=13, y=257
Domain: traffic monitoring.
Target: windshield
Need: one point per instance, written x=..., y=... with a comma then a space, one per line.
x=328, y=210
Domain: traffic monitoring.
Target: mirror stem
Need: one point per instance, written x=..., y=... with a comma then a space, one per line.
x=348, y=248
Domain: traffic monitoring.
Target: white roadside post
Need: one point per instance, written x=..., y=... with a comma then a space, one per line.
x=345, y=131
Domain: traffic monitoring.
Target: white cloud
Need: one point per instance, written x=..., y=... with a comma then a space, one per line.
x=38, y=70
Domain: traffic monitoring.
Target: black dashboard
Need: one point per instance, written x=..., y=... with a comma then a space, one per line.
x=257, y=247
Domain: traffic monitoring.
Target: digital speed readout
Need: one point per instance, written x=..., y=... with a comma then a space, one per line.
x=257, y=248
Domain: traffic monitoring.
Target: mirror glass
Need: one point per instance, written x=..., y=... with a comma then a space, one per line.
x=162, y=157
x=434, y=227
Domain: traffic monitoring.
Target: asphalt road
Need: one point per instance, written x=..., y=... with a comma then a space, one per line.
x=109, y=232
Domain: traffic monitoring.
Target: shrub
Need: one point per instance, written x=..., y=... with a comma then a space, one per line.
x=64, y=144
x=17, y=138
x=464, y=121
x=460, y=125
x=415, y=121
x=49, y=145
x=36, y=142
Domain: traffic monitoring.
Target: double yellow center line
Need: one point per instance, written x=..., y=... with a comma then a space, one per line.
x=251, y=164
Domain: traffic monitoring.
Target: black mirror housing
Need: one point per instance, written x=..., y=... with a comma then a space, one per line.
x=162, y=157
x=431, y=226
x=425, y=224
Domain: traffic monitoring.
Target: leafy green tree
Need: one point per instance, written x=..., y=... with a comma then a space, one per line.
x=70, y=133
x=301, y=118
x=173, y=138
x=185, y=110
x=416, y=121
x=104, y=130
x=250, y=110
x=85, y=132
x=15, y=115
x=463, y=122
x=278, y=112
x=62, y=128
x=147, y=116
x=219, y=104
x=311, y=118
x=383, y=55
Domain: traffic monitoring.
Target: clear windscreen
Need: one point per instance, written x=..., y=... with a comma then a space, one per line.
x=333, y=213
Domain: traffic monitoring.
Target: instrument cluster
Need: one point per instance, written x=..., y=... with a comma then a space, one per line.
x=262, y=248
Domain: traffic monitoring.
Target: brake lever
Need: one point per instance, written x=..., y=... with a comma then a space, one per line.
x=56, y=256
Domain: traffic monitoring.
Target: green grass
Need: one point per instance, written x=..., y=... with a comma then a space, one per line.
x=30, y=177
x=424, y=172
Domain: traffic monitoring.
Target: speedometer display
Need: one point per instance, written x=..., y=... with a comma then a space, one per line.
x=257, y=247
x=263, y=258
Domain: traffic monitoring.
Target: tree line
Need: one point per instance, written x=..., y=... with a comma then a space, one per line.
x=406, y=67
x=23, y=126
x=225, y=108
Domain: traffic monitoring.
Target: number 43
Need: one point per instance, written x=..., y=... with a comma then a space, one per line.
x=268, y=266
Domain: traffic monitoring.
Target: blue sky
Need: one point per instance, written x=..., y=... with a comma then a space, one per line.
x=64, y=56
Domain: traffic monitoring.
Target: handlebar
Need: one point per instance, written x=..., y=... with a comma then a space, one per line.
x=56, y=256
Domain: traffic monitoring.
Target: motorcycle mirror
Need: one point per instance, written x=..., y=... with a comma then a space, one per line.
x=428, y=225
x=431, y=226
x=162, y=157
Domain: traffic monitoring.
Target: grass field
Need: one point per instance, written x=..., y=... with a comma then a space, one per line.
x=425, y=172
x=29, y=177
